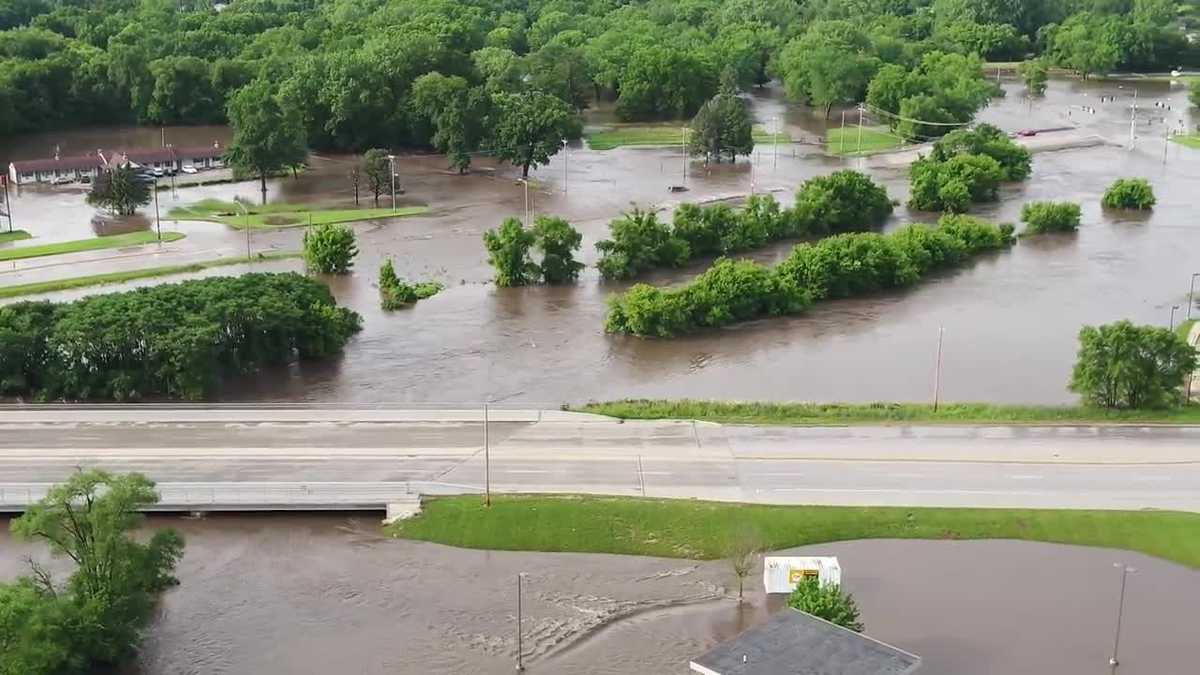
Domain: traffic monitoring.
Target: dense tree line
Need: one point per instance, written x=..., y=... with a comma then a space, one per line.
x=170, y=341
x=388, y=73
x=841, y=266
x=842, y=201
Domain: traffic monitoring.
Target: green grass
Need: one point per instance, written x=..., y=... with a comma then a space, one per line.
x=283, y=214
x=845, y=141
x=697, y=529
x=94, y=244
x=1189, y=140
x=1184, y=329
x=15, y=235
x=130, y=275
x=882, y=413
x=659, y=135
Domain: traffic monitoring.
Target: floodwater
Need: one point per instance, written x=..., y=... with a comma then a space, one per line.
x=287, y=594
x=1010, y=319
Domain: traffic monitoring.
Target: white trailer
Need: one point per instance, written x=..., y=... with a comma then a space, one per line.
x=781, y=574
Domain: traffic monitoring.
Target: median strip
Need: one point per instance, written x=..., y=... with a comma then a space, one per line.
x=93, y=244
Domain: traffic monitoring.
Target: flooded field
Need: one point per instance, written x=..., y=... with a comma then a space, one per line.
x=282, y=595
x=1010, y=320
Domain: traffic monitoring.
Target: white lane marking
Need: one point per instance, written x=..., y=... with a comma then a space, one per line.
x=1026, y=476
x=658, y=473
x=773, y=474
x=905, y=475
x=524, y=471
x=1148, y=479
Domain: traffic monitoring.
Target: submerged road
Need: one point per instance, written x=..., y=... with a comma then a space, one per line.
x=313, y=457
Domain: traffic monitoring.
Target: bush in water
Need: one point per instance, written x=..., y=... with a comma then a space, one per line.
x=174, y=340
x=837, y=267
x=1043, y=217
x=330, y=249
x=395, y=293
x=1129, y=193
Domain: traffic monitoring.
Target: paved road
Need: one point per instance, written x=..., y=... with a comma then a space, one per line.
x=372, y=452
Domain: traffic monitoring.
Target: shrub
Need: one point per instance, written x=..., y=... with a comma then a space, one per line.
x=1129, y=193
x=841, y=266
x=173, y=340
x=558, y=242
x=395, y=293
x=1043, y=217
x=826, y=601
x=1035, y=73
x=1121, y=365
x=508, y=252
x=985, y=139
x=329, y=249
x=639, y=242
x=953, y=184
x=844, y=200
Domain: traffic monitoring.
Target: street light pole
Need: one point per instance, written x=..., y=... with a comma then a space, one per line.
x=157, y=219
x=1192, y=286
x=937, y=370
x=565, y=158
x=391, y=168
x=1125, y=572
x=487, y=460
x=520, y=643
x=1171, y=325
x=775, y=160
x=685, y=154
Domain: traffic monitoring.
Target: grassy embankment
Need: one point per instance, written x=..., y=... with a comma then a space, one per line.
x=845, y=141
x=93, y=244
x=883, y=413
x=1189, y=140
x=697, y=529
x=283, y=214
x=130, y=275
x=659, y=135
x=15, y=235
x=1185, y=328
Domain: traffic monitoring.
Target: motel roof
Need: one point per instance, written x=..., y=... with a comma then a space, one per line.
x=794, y=643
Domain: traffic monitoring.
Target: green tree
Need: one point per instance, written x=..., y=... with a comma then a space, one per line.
x=120, y=190
x=742, y=549
x=985, y=139
x=330, y=248
x=1194, y=93
x=116, y=579
x=722, y=125
x=843, y=200
x=1043, y=217
x=558, y=242
x=829, y=64
x=954, y=184
x=377, y=168
x=826, y=601
x=267, y=135
x=1035, y=74
x=396, y=293
x=1085, y=44
x=1121, y=365
x=639, y=242
x=508, y=252
x=530, y=127
x=455, y=110
x=183, y=92
x=1129, y=193
x=665, y=82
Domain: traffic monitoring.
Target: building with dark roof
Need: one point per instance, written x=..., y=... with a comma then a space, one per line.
x=55, y=168
x=68, y=169
x=794, y=643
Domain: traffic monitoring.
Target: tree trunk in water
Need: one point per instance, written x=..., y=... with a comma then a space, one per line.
x=828, y=107
x=262, y=178
x=525, y=171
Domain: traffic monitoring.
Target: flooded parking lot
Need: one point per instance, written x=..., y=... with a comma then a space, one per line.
x=288, y=594
x=1010, y=320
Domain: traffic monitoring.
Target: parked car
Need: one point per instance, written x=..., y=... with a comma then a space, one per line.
x=1024, y=133
x=189, y=169
x=60, y=180
x=158, y=173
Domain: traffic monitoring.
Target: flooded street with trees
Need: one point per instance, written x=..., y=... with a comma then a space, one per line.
x=1010, y=318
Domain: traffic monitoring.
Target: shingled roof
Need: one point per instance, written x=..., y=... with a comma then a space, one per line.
x=794, y=643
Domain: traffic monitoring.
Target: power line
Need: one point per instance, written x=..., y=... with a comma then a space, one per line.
x=881, y=111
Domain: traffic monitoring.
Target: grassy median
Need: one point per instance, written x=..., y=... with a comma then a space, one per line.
x=15, y=235
x=846, y=141
x=701, y=530
x=130, y=275
x=93, y=244
x=283, y=214
x=815, y=414
x=660, y=135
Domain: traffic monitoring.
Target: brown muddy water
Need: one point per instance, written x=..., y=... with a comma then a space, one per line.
x=1010, y=319
x=322, y=594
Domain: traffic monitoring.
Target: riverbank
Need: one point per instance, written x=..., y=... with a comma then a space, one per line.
x=814, y=414
x=703, y=530
x=81, y=245
x=283, y=214
x=41, y=287
x=659, y=135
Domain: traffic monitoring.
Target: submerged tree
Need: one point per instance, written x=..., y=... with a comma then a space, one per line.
x=826, y=601
x=268, y=136
x=120, y=190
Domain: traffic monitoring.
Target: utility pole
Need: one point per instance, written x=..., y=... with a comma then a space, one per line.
x=7, y=202
x=487, y=460
x=842, y=138
x=520, y=643
x=937, y=370
x=1125, y=572
x=565, y=157
x=157, y=219
x=1192, y=286
x=1132, y=117
x=860, y=125
x=685, y=156
x=1171, y=325
x=392, y=170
